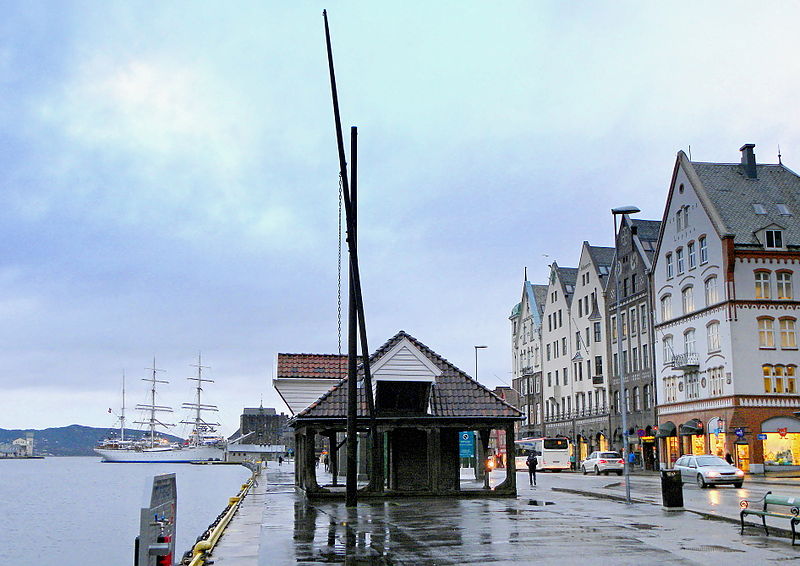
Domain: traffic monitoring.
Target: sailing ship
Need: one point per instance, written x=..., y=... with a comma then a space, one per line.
x=202, y=445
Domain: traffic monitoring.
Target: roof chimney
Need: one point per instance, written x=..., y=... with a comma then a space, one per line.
x=749, y=160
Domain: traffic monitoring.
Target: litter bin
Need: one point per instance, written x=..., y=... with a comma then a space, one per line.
x=671, y=490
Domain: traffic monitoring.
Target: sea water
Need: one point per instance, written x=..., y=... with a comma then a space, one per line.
x=81, y=512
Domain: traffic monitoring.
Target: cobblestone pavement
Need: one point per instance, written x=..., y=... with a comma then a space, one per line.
x=541, y=526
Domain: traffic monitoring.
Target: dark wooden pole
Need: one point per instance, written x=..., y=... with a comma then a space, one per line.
x=351, y=481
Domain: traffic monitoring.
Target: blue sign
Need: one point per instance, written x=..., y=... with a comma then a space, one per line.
x=466, y=444
x=739, y=432
x=762, y=436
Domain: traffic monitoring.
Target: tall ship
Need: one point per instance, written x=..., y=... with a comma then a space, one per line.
x=204, y=444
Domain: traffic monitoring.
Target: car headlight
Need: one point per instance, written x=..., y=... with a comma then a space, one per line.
x=712, y=474
x=739, y=473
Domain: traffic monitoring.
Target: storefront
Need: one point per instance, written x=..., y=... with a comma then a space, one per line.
x=669, y=449
x=693, y=437
x=780, y=438
x=583, y=448
x=602, y=442
x=716, y=437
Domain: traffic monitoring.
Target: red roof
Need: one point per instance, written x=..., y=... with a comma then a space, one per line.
x=330, y=366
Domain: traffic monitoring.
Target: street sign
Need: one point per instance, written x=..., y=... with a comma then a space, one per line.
x=466, y=444
x=762, y=436
x=640, y=432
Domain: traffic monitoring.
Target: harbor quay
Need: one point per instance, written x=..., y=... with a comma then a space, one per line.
x=567, y=518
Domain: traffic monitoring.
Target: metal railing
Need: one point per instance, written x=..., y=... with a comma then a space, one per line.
x=687, y=360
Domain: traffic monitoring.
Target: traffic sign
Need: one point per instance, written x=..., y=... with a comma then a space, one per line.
x=762, y=436
x=739, y=432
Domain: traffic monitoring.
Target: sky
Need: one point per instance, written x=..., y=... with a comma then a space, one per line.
x=169, y=174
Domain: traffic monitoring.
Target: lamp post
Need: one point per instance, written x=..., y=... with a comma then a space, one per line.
x=620, y=365
x=476, y=359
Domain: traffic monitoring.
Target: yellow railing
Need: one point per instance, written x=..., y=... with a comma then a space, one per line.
x=202, y=549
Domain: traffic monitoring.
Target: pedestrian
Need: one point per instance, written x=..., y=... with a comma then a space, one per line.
x=572, y=462
x=729, y=458
x=631, y=460
x=532, y=462
x=280, y=460
x=327, y=463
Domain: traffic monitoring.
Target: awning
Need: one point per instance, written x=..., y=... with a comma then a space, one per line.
x=666, y=429
x=694, y=426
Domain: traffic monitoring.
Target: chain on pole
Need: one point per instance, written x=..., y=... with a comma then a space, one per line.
x=339, y=284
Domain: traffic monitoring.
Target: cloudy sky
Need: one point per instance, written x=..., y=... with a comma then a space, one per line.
x=168, y=173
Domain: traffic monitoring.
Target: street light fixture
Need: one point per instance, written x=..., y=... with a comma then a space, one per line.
x=623, y=210
x=476, y=359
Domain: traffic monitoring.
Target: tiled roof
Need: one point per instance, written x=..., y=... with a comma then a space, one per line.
x=568, y=275
x=647, y=229
x=331, y=366
x=601, y=255
x=540, y=294
x=455, y=394
x=733, y=194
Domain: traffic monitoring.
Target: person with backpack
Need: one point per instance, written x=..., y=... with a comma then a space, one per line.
x=532, y=462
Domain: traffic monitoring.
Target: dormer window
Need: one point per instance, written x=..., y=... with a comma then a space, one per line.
x=773, y=239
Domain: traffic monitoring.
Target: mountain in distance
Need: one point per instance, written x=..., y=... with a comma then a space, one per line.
x=72, y=440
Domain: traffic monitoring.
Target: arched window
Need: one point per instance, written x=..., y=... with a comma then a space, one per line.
x=784, y=284
x=766, y=332
x=712, y=294
x=666, y=308
x=688, y=341
x=687, y=297
x=788, y=332
x=703, y=249
x=692, y=256
x=712, y=331
x=668, y=259
x=762, y=284
x=668, y=351
x=637, y=399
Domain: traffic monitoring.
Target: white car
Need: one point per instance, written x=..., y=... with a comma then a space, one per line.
x=603, y=462
x=708, y=470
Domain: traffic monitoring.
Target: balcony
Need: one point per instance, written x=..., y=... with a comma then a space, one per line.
x=597, y=380
x=686, y=361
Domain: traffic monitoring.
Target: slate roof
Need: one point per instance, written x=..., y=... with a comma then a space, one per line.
x=540, y=294
x=455, y=394
x=331, y=366
x=647, y=229
x=733, y=194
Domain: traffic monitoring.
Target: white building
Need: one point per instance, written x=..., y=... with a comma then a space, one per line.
x=726, y=313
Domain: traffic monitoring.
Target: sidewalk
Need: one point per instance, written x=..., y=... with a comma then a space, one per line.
x=540, y=526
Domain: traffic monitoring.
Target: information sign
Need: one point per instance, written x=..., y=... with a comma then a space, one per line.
x=762, y=436
x=466, y=444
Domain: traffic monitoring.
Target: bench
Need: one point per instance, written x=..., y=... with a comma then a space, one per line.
x=770, y=503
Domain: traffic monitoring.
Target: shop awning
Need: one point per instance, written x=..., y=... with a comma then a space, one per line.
x=694, y=426
x=666, y=429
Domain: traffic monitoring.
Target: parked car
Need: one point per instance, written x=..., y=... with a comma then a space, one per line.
x=707, y=469
x=603, y=462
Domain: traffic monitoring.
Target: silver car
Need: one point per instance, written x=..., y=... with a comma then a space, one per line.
x=603, y=462
x=708, y=470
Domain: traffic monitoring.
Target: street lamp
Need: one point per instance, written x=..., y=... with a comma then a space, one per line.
x=620, y=365
x=476, y=359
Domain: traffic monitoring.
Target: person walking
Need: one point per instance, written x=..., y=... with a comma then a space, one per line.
x=631, y=460
x=532, y=462
x=729, y=458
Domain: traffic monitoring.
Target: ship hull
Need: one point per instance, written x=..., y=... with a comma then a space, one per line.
x=184, y=455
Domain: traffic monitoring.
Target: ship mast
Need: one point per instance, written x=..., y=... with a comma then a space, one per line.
x=199, y=425
x=153, y=422
x=122, y=415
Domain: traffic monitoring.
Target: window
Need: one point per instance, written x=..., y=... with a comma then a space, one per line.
x=614, y=328
x=669, y=265
x=616, y=364
x=646, y=396
x=666, y=307
x=632, y=321
x=766, y=333
x=549, y=379
x=766, y=370
x=565, y=376
x=784, y=281
x=560, y=324
x=783, y=210
x=788, y=333
x=627, y=399
x=679, y=219
x=624, y=321
x=688, y=341
x=777, y=382
x=687, y=295
x=597, y=335
x=633, y=277
x=715, y=381
x=637, y=399
x=625, y=287
x=616, y=401
x=712, y=295
x=713, y=336
x=580, y=308
x=690, y=252
x=692, y=385
x=679, y=260
x=547, y=353
x=643, y=317
x=578, y=340
x=598, y=365
x=549, y=322
x=645, y=357
x=701, y=242
x=759, y=208
x=668, y=351
x=774, y=239
x=762, y=284
x=564, y=345
x=635, y=359
x=790, y=379
x=588, y=369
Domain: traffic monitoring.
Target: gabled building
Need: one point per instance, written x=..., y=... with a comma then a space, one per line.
x=726, y=313
x=635, y=248
x=526, y=355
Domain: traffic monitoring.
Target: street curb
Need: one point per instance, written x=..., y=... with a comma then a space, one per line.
x=777, y=531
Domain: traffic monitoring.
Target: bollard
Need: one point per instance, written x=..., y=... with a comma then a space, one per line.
x=671, y=490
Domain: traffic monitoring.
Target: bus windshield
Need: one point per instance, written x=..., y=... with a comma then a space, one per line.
x=555, y=443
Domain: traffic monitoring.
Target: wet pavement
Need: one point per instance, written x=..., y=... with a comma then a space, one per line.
x=541, y=526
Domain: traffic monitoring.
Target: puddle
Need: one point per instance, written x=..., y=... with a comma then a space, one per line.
x=711, y=548
x=540, y=503
x=643, y=526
